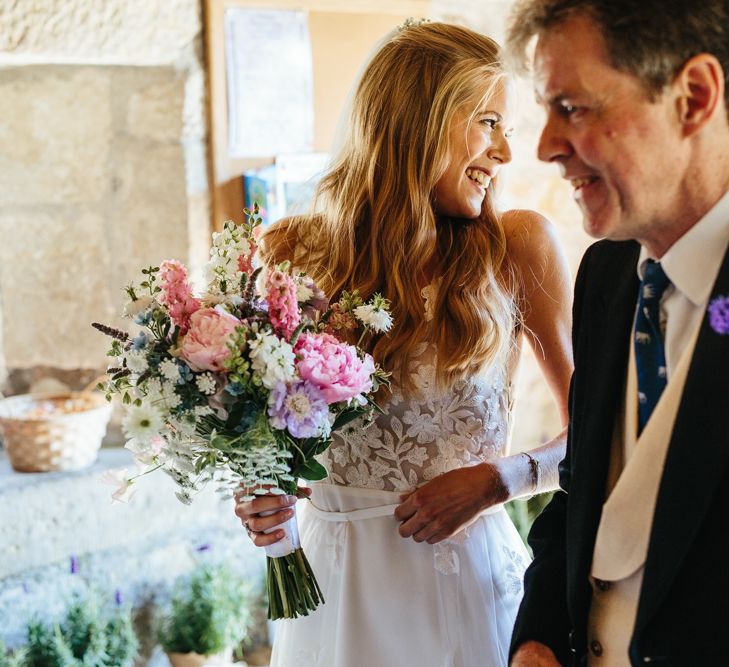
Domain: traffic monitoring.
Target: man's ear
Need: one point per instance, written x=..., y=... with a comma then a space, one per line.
x=699, y=85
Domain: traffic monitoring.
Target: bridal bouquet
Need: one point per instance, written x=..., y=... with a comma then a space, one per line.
x=242, y=385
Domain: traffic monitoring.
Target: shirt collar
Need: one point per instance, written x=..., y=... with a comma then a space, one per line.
x=692, y=263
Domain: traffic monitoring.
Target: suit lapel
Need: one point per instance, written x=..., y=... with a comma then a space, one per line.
x=696, y=461
x=601, y=358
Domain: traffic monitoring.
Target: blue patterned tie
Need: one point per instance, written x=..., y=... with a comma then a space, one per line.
x=650, y=358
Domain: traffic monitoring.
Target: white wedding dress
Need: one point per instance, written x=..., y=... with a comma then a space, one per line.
x=389, y=601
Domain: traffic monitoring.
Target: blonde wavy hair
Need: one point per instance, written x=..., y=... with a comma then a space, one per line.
x=374, y=228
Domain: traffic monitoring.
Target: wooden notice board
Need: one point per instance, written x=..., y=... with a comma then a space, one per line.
x=342, y=34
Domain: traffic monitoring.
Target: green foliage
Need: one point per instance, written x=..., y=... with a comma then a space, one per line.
x=210, y=612
x=524, y=511
x=121, y=640
x=83, y=639
x=47, y=648
x=14, y=659
x=80, y=627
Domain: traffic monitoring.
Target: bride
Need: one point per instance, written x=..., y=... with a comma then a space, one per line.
x=407, y=210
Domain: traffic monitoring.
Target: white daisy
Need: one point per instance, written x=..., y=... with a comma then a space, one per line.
x=142, y=422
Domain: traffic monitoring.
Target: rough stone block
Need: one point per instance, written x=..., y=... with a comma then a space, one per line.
x=121, y=31
x=54, y=281
x=55, y=135
x=149, y=102
x=149, y=221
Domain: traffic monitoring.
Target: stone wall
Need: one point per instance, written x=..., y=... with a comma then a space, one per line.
x=103, y=154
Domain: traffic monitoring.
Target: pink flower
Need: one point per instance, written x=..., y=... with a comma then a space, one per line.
x=340, y=320
x=245, y=261
x=177, y=293
x=333, y=367
x=283, y=307
x=119, y=478
x=205, y=347
x=245, y=264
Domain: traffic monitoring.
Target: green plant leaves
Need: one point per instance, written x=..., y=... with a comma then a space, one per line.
x=209, y=612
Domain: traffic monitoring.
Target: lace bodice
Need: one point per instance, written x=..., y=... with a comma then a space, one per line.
x=423, y=435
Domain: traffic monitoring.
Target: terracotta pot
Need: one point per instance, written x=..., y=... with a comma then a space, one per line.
x=224, y=659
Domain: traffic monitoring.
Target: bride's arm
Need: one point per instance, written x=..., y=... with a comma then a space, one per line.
x=444, y=505
x=546, y=305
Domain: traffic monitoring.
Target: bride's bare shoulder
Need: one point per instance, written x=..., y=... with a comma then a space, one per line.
x=529, y=236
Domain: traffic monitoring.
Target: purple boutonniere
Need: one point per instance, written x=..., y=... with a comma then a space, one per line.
x=719, y=315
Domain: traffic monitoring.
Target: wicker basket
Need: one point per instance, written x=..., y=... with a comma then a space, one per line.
x=51, y=432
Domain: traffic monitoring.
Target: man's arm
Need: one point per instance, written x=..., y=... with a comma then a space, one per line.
x=541, y=631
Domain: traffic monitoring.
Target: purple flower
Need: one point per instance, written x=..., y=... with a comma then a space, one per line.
x=118, y=599
x=74, y=565
x=719, y=315
x=300, y=408
x=203, y=547
x=26, y=587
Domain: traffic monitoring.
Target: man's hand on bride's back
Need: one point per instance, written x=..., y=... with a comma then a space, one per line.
x=261, y=515
x=443, y=506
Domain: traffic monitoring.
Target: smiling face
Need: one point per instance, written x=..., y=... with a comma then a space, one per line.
x=479, y=147
x=621, y=152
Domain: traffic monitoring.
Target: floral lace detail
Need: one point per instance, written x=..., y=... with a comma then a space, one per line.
x=515, y=569
x=446, y=560
x=334, y=544
x=307, y=658
x=424, y=435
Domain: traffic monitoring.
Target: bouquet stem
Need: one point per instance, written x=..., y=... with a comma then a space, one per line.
x=293, y=590
x=292, y=587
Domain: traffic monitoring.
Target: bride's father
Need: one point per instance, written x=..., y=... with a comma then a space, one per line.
x=631, y=564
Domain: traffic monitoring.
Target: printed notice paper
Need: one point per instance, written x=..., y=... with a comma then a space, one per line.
x=269, y=82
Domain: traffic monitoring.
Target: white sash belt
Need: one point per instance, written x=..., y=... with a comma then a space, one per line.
x=354, y=515
x=374, y=512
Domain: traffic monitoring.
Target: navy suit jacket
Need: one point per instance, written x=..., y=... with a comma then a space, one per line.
x=683, y=610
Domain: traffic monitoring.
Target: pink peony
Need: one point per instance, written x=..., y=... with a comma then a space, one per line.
x=205, y=347
x=333, y=367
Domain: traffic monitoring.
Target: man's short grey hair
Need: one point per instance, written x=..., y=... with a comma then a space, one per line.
x=651, y=39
